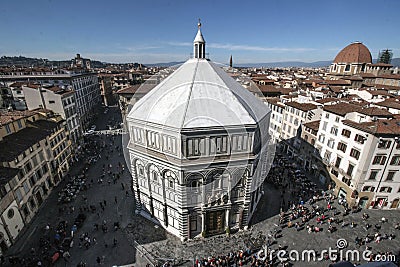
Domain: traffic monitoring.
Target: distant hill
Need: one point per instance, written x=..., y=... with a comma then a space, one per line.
x=396, y=62
x=286, y=64
x=20, y=61
x=283, y=64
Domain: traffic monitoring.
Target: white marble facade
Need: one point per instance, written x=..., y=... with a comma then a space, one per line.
x=199, y=150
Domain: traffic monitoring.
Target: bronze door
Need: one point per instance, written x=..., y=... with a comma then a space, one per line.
x=216, y=222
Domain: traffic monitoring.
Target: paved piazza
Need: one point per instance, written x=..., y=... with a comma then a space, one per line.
x=140, y=242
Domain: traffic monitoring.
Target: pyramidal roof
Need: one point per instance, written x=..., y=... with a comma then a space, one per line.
x=199, y=36
x=199, y=94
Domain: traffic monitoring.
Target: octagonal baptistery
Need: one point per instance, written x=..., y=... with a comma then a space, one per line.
x=199, y=150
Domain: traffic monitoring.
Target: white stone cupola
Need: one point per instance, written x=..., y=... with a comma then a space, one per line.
x=199, y=45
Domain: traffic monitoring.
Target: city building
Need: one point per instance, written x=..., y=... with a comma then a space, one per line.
x=106, y=89
x=84, y=84
x=294, y=115
x=199, y=149
x=359, y=147
x=12, y=221
x=126, y=79
x=277, y=108
x=36, y=159
x=81, y=63
x=57, y=99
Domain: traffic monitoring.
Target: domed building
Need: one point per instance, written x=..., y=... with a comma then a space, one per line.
x=199, y=150
x=351, y=60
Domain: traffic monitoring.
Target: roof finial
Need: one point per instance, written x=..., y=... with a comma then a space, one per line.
x=199, y=24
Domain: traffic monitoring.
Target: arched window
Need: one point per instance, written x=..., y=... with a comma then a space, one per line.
x=169, y=177
x=155, y=176
x=194, y=180
x=141, y=170
x=194, y=183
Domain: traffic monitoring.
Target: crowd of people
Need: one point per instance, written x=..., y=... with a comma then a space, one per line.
x=304, y=207
x=57, y=238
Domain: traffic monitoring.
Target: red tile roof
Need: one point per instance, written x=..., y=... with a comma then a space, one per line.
x=337, y=82
x=376, y=92
x=301, y=106
x=327, y=100
x=387, y=87
x=375, y=111
x=389, y=103
x=342, y=108
x=367, y=75
x=9, y=116
x=129, y=90
x=379, y=127
x=389, y=76
x=314, y=125
x=354, y=53
x=381, y=65
x=354, y=78
x=268, y=89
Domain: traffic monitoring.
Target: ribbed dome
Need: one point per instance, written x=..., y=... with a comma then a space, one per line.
x=354, y=53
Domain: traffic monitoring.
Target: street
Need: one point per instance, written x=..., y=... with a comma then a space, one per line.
x=111, y=187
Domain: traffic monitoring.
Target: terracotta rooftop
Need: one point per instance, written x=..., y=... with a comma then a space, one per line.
x=342, y=108
x=264, y=79
x=379, y=127
x=381, y=65
x=10, y=116
x=129, y=90
x=301, y=106
x=314, y=125
x=387, y=87
x=375, y=111
x=389, y=76
x=389, y=103
x=336, y=89
x=137, y=88
x=20, y=141
x=310, y=82
x=327, y=100
x=354, y=53
x=337, y=82
x=275, y=101
x=376, y=91
x=367, y=75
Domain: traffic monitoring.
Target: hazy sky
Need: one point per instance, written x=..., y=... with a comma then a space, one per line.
x=148, y=31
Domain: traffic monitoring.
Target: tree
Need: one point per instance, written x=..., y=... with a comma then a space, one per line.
x=385, y=56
